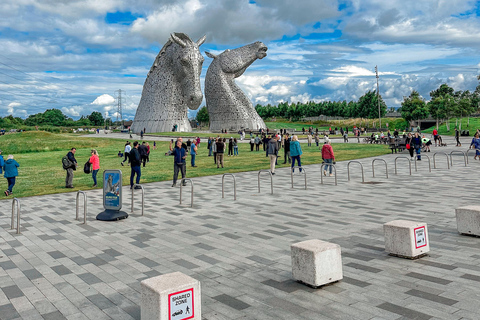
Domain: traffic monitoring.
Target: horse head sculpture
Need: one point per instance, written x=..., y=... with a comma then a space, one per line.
x=172, y=87
x=228, y=107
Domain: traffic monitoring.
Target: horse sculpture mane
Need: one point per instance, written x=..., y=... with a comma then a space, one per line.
x=172, y=86
x=228, y=106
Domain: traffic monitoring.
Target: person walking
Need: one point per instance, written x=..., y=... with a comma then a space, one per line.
x=328, y=157
x=2, y=162
x=193, y=153
x=235, y=147
x=179, y=162
x=220, y=150
x=457, y=137
x=409, y=144
x=476, y=145
x=95, y=161
x=135, y=162
x=417, y=143
x=10, y=172
x=272, y=151
x=317, y=138
x=142, y=149
x=73, y=167
x=295, y=152
x=286, y=149
x=126, y=151
x=148, y=152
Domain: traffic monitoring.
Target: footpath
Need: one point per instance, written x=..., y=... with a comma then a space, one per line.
x=59, y=268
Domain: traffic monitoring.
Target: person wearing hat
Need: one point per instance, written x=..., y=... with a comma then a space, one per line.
x=10, y=167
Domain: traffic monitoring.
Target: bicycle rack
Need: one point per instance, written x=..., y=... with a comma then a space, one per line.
x=18, y=215
x=304, y=174
x=321, y=172
x=434, y=164
x=348, y=169
x=458, y=151
x=429, y=165
x=271, y=179
x=409, y=164
x=373, y=166
x=191, y=189
x=234, y=185
x=143, y=196
x=468, y=152
x=77, y=203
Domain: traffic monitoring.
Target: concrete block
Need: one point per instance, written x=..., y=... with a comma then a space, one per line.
x=468, y=220
x=316, y=262
x=406, y=238
x=173, y=296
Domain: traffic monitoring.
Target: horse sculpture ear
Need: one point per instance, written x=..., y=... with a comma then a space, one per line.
x=201, y=40
x=210, y=55
x=177, y=40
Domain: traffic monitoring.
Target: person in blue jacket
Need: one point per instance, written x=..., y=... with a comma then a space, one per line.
x=2, y=162
x=295, y=152
x=10, y=167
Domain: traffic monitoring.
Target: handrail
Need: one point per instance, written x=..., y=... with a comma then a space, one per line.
x=184, y=180
x=468, y=152
x=321, y=169
x=18, y=215
x=143, y=196
x=271, y=179
x=373, y=166
x=77, y=203
x=348, y=169
x=458, y=151
x=234, y=185
x=409, y=164
x=434, y=164
x=429, y=165
x=300, y=169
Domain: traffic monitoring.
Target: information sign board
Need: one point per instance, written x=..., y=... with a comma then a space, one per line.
x=420, y=237
x=181, y=305
x=112, y=189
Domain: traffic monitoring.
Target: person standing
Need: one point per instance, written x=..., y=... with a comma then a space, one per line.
x=148, y=152
x=193, y=153
x=142, y=149
x=230, y=147
x=73, y=167
x=235, y=147
x=295, y=152
x=309, y=139
x=2, y=162
x=328, y=157
x=476, y=145
x=286, y=149
x=179, y=162
x=214, y=150
x=198, y=142
x=220, y=150
x=135, y=162
x=11, y=172
x=252, y=142
x=409, y=144
x=257, y=143
x=272, y=150
x=127, y=150
x=95, y=161
x=457, y=137
x=417, y=143
x=317, y=138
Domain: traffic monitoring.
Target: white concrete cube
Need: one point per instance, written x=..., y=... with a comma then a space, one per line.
x=468, y=220
x=316, y=262
x=406, y=238
x=173, y=296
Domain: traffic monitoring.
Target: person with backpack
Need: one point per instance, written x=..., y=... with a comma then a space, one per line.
x=95, y=161
x=135, y=162
x=70, y=166
x=10, y=167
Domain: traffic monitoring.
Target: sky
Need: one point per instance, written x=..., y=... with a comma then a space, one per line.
x=74, y=55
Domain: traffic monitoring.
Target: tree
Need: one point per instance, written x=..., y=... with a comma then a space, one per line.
x=202, y=115
x=96, y=118
x=444, y=103
x=367, y=106
x=414, y=107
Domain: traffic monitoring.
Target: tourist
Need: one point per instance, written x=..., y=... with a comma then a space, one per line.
x=257, y=143
x=209, y=146
x=198, y=142
x=220, y=151
x=230, y=147
x=127, y=149
x=328, y=157
x=286, y=149
x=272, y=151
x=193, y=153
x=326, y=138
x=417, y=143
x=235, y=147
x=95, y=161
x=189, y=144
x=71, y=168
x=2, y=162
x=120, y=154
x=476, y=145
x=345, y=136
x=214, y=150
x=252, y=141
x=142, y=149
x=135, y=162
x=295, y=152
x=409, y=144
x=309, y=138
x=141, y=134
x=457, y=137
x=317, y=138
x=427, y=143
x=179, y=163
x=154, y=145
x=10, y=172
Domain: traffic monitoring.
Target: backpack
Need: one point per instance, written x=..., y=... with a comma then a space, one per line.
x=87, y=168
x=66, y=163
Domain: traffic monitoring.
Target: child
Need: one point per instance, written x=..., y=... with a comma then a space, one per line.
x=120, y=154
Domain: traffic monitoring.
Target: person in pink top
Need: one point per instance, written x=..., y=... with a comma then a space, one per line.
x=198, y=143
x=95, y=161
x=328, y=157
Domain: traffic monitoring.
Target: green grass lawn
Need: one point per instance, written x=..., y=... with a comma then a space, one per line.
x=442, y=128
x=39, y=155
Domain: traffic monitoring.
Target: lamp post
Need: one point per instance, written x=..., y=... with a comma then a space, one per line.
x=378, y=99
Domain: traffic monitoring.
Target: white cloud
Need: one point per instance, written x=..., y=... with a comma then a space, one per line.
x=104, y=99
x=73, y=112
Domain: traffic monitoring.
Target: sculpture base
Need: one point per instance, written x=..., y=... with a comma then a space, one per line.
x=112, y=215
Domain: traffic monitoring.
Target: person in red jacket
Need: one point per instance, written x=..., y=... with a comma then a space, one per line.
x=328, y=157
x=435, y=136
x=95, y=161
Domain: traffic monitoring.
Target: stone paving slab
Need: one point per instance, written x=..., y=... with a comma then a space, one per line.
x=59, y=268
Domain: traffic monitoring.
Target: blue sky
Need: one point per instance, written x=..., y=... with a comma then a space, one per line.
x=73, y=55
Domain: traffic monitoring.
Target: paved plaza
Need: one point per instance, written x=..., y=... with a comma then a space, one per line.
x=240, y=250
